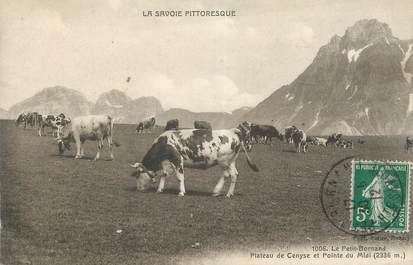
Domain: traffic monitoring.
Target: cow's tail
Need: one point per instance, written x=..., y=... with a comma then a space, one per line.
x=249, y=161
x=112, y=121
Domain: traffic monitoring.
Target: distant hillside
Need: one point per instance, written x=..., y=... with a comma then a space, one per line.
x=218, y=120
x=58, y=99
x=4, y=114
x=54, y=100
x=125, y=109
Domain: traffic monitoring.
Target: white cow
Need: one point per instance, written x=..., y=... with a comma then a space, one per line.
x=91, y=127
x=322, y=141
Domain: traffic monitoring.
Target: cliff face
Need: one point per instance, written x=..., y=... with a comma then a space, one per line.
x=357, y=84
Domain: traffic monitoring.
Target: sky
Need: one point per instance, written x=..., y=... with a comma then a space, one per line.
x=197, y=63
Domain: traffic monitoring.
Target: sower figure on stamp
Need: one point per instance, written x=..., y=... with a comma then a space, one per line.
x=375, y=192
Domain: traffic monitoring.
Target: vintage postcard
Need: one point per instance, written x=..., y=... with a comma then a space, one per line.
x=206, y=132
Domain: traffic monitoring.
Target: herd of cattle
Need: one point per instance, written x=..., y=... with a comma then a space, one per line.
x=199, y=147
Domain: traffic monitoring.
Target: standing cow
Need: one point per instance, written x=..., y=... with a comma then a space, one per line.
x=56, y=123
x=193, y=148
x=202, y=125
x=146, y=124
x=300, y=140
x=409, y=143
x=172, y=125
x=91, y=127
x=267, y=132
x=288, y=133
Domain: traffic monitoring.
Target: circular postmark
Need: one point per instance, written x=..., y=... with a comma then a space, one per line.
x=364, y=197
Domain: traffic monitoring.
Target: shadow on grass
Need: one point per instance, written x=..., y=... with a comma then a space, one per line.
x=172, y=191
x=69, y=156
x=289, y=151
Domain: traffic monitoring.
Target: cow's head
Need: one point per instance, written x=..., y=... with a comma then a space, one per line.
x=143, y=176
x=63, y=145
x=245, y=134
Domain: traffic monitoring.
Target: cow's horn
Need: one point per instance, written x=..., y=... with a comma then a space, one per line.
x=136, y=165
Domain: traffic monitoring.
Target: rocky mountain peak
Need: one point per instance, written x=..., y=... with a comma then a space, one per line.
x=112, y=98
x=365, y=32
x=357, y=84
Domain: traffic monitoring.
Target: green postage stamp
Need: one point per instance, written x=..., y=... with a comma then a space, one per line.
x=380, y=195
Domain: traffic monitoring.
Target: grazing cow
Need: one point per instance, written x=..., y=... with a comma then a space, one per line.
x=288, y=132
x=265, y=131
x=172, y=125
x=91, y=127
x=193, y=148
x=146, y=124
x=202, y=125
x=409, y=143
x=300, y=140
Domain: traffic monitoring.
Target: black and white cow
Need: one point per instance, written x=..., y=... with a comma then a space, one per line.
x=409, y=143
x=202, y=125
x=338, y=141
x=334, y=139
x=266, y=132
x=345, y=143
x=193, y=148
x=312, y=140
x=172, y=125
x=300, y=140
x=56, y=123
x=21, y=119
x=288, y=133
x=92, y=127
x=146, y=124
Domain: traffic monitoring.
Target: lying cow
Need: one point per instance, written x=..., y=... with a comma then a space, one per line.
x=266, y=132
x=146, y=124
x=202, y=125
x=92, y=127
x=300, y=140
x=409, y=143
x=313, y=140
x=334, y=138
x=172, y=125
x=193, y=148
x=345, y=143
x=322, y=141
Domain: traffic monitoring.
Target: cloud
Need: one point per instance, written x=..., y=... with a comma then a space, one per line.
x=210, y=93
x=301, y=34
x=115, y=4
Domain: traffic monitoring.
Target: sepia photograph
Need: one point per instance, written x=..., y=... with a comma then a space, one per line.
x=206, y=132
